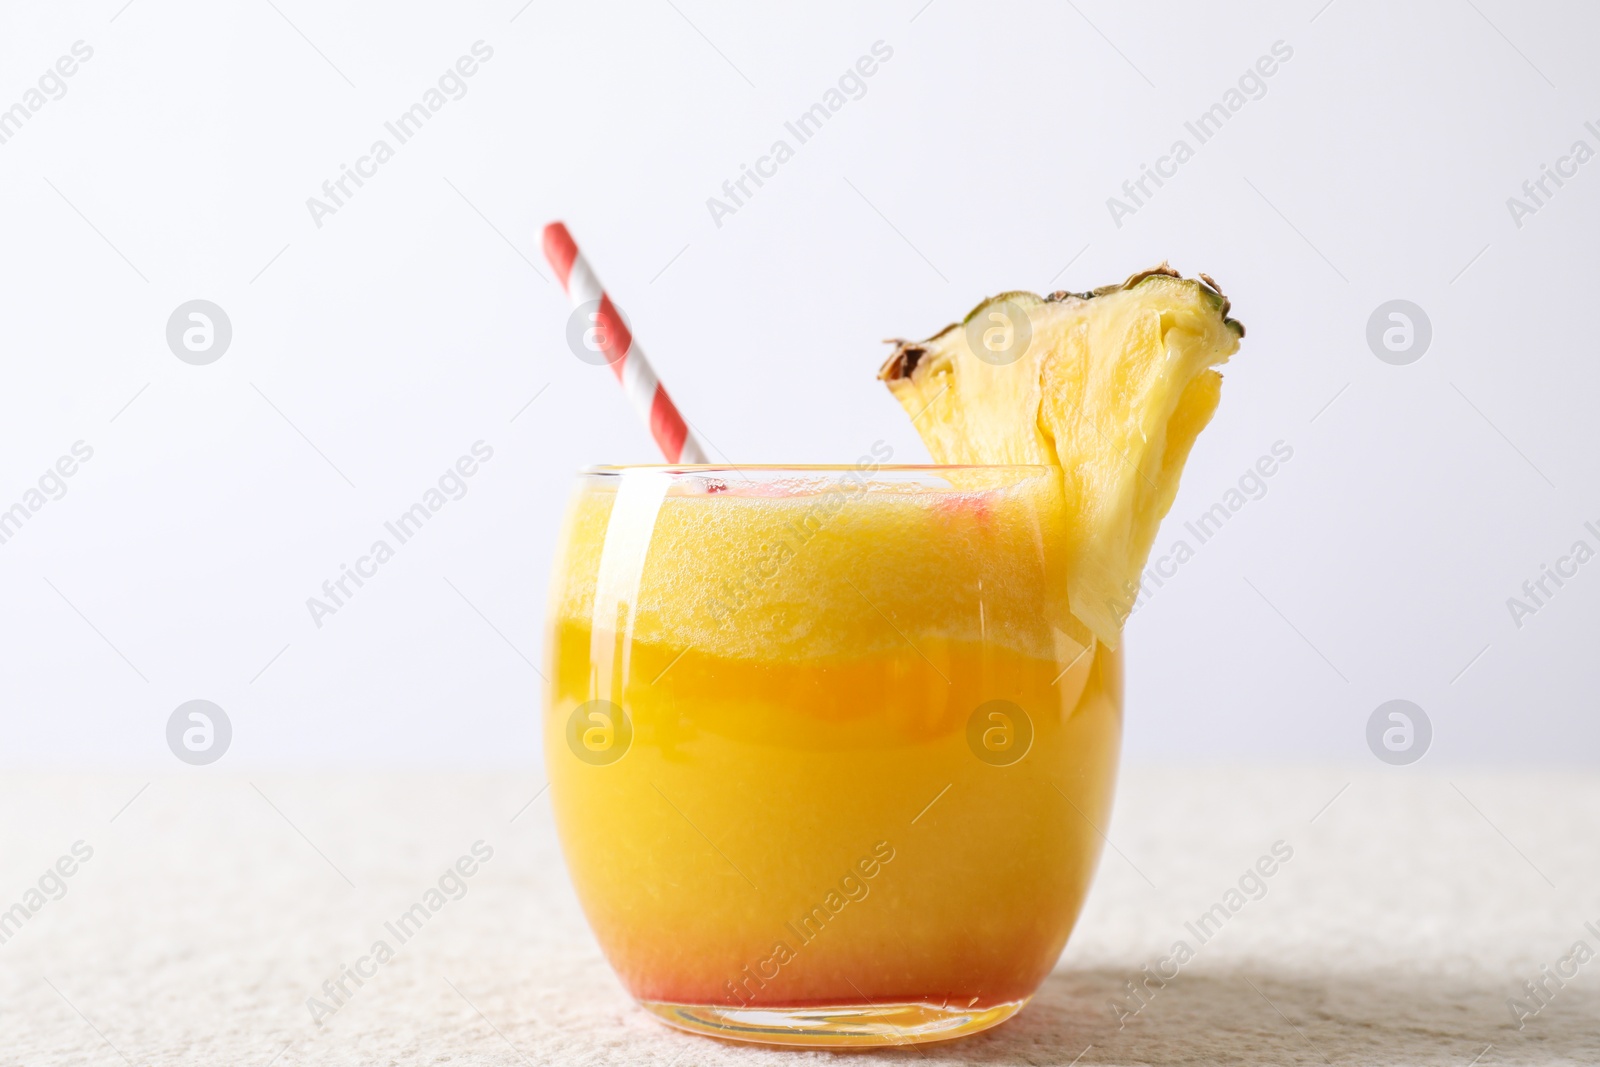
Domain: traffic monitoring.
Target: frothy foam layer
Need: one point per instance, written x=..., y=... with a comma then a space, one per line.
x=826, y=567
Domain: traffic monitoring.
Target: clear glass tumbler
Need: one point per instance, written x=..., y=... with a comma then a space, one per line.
x=826, y=752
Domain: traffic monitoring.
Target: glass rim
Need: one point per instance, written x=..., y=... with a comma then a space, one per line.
x=614, y=469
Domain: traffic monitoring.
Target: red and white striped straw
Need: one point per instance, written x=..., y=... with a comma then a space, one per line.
x=638, y=380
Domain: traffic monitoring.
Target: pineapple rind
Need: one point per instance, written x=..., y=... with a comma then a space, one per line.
x=1113, y=390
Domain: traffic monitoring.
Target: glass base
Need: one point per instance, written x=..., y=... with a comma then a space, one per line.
x=845, y=1026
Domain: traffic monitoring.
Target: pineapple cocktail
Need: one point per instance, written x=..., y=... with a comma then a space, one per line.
x=831, y=750
x=815, y=746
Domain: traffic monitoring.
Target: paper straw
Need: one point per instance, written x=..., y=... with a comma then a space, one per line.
x=639, y=381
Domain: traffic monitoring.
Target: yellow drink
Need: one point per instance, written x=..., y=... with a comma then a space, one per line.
x=823, y=768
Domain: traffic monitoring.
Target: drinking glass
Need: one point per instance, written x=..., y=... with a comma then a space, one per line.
x=827, y=753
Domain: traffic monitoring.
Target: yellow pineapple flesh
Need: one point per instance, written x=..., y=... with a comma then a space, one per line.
x=1112, y=387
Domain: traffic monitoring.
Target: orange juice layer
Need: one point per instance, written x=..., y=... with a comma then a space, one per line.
x=820, y=799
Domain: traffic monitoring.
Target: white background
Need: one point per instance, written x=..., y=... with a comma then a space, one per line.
x=370, y=353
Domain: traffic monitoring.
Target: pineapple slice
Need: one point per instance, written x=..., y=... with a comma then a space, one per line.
x=1111, y=386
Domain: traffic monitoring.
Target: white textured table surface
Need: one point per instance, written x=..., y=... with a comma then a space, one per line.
x=213, y=906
